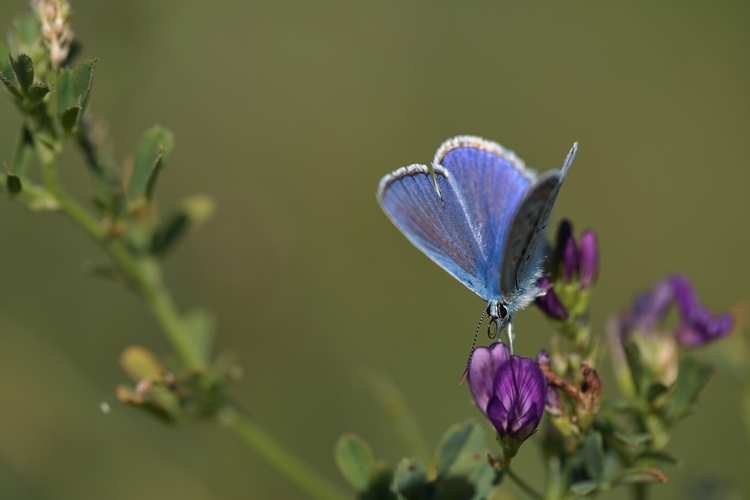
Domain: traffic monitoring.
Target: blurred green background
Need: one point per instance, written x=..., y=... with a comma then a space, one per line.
x=289, y=113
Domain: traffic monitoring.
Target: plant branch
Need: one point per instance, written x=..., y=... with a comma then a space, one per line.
x=524, y=485
x=298, y=472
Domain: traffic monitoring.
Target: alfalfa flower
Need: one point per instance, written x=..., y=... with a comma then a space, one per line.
x=510, y=391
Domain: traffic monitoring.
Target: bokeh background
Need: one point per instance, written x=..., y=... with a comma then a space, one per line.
x=289, y=113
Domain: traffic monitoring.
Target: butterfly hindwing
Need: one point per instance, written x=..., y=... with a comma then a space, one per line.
x=522, y=257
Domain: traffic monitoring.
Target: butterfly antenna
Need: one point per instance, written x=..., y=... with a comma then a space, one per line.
x=473, y=345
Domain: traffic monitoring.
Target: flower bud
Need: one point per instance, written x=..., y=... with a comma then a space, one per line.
x=589, y=258
x=549, y=303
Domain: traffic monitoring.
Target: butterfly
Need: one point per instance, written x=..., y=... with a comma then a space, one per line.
x=480, y=214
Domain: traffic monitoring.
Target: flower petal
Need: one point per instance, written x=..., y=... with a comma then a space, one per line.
x=482, y=368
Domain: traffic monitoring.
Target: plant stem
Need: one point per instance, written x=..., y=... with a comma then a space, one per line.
x=640, y=491
x=299, y=473
x=144, y=274
x=524, y=485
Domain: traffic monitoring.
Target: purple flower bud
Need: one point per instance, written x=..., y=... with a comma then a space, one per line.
x=698, y=325
x=552, y=401
x=570, y=260
x=482, y=369
x=549, y=303
x=543, y=357
x=564, y=233
x=517, y=404
x=589, y=258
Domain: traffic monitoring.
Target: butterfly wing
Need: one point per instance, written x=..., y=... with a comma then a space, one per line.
x=522, y=254
x=432, y=218
x=490, y=183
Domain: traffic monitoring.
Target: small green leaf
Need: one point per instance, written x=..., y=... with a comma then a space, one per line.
x=70, y=117
x=655, y=390
x=37, y=92
x=410, y=479
x=485, y=480
x=639, y=475
x=27, y=29
x=633, y=357
x=23, y=67
x=461, y=450
x=139, y=363
x=152, y=151
x=73, y=85
x=582, y=488
x=355, y=460
x=661, y=456
x=200, y=327
x=168, y=234
x=592, y=454
x=691, y=379
x=193, y=212
x=13, y=184
x=6, y=73
x=632, y=440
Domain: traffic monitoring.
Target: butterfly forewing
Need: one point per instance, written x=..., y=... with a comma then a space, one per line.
x=434, y=223
x=490, y=182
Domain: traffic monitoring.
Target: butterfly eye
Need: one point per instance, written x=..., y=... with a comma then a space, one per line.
x=502, y=311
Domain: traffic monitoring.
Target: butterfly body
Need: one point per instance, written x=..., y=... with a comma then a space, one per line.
x=480, y=214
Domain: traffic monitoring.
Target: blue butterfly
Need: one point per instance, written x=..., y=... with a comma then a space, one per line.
x=480, y=214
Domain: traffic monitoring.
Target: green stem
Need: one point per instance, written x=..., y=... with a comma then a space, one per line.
x=523, y=485
x=137, y=270
x=144, y=275
x=639, y=491
x=299, y=473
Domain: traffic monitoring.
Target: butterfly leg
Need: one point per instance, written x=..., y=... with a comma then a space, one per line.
x=510, y=336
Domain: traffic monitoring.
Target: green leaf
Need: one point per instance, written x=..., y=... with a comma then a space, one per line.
x=23, y=152
x=73, y=85
x=485, y=480
x=691, y=379
x=655, y=390
x=70, y=117
x=584, y=487
x=152, y=151
x=639, y=475
x=193, y=212
x=23, y=67
x=37, y=92
x=461, y=451
x=6, y=73
x=592, y=455
x=633, y=357
x=13, y=184
x=632, y=440
x=27, y=29
x=355, y=460
x=410, y=479
x=200, y=327
x=380, y=485
x=661, y=456
x=139, y=363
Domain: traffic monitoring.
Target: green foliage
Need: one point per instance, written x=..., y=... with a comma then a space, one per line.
x=151, y=153
x=23, y=68
x=355, y=460
x=73, y=87
x=461, y=469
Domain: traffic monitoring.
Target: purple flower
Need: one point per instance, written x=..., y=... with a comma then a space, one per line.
x=578, y=262
x=697, y=324
x=510, y=391
x=550, y=303
x=589, y=258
